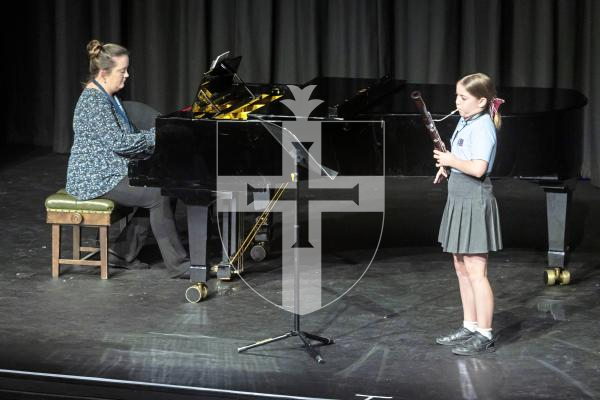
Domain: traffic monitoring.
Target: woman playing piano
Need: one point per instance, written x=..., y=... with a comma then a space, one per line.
x=470, y=226
x=104, y=141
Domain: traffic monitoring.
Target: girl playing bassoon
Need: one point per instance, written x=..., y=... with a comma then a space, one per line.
x=470, y=226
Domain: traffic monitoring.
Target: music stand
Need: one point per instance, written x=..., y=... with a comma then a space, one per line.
x=301, y=157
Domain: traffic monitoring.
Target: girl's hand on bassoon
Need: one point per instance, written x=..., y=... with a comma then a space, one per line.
x=443, y=159
x=441, y=175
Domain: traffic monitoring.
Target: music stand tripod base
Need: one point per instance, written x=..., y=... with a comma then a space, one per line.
x=305, y=337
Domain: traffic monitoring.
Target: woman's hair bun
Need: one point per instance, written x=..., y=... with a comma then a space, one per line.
x=94, y=47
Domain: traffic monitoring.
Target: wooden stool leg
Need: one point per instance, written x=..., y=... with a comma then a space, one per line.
x=103, y=252
x=76, y=242
x=55, y=250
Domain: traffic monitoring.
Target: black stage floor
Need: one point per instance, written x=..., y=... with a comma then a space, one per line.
x=135, y=337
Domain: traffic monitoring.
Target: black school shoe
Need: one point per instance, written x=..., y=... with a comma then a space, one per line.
x=476, y=345
x=455, y=338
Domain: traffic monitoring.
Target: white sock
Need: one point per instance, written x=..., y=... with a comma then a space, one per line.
x=470, y=325
x=486, y=332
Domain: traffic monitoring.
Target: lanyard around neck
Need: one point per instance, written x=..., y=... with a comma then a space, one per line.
x=465, y=123
x=115, y=103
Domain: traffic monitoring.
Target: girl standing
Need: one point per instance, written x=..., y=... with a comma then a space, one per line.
x=470, y=226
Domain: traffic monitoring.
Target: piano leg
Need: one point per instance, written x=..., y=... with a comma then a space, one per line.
x=227, y=228
x=197, y=217
x=557, y=206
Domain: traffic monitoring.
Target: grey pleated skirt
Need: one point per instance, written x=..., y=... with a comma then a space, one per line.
x=471, y=223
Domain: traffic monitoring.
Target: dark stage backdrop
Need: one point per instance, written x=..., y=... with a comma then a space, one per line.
x=542, y=43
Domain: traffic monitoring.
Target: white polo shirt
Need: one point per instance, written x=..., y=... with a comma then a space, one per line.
x=475, y=139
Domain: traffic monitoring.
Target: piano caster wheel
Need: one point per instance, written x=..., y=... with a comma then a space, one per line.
x=551, y=275
x=196, y=293
x=557, y=275
x=564, y=278
x=258, y=252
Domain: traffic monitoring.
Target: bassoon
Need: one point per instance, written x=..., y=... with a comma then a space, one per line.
x=432, y=131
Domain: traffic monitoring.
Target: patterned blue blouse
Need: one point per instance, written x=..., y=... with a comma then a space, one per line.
x=102, y=146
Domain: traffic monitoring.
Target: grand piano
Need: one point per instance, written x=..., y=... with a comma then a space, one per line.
x=540, y=141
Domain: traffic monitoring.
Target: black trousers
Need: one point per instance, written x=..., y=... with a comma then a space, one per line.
x=162, y=222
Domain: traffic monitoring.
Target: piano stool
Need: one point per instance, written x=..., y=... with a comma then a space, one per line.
x=64, y=209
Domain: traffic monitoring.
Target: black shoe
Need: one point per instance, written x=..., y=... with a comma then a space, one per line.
x=182, y=271
x=118, y=262
x=478, y=344
x=137, y=264
x=182, y=275
x=455, y=338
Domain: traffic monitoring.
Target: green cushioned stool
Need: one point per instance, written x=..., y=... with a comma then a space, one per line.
x=64, y=209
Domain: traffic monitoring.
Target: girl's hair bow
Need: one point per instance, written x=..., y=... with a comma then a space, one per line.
x=495, y=105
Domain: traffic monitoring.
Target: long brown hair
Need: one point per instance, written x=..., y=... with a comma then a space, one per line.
x=480, y=85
